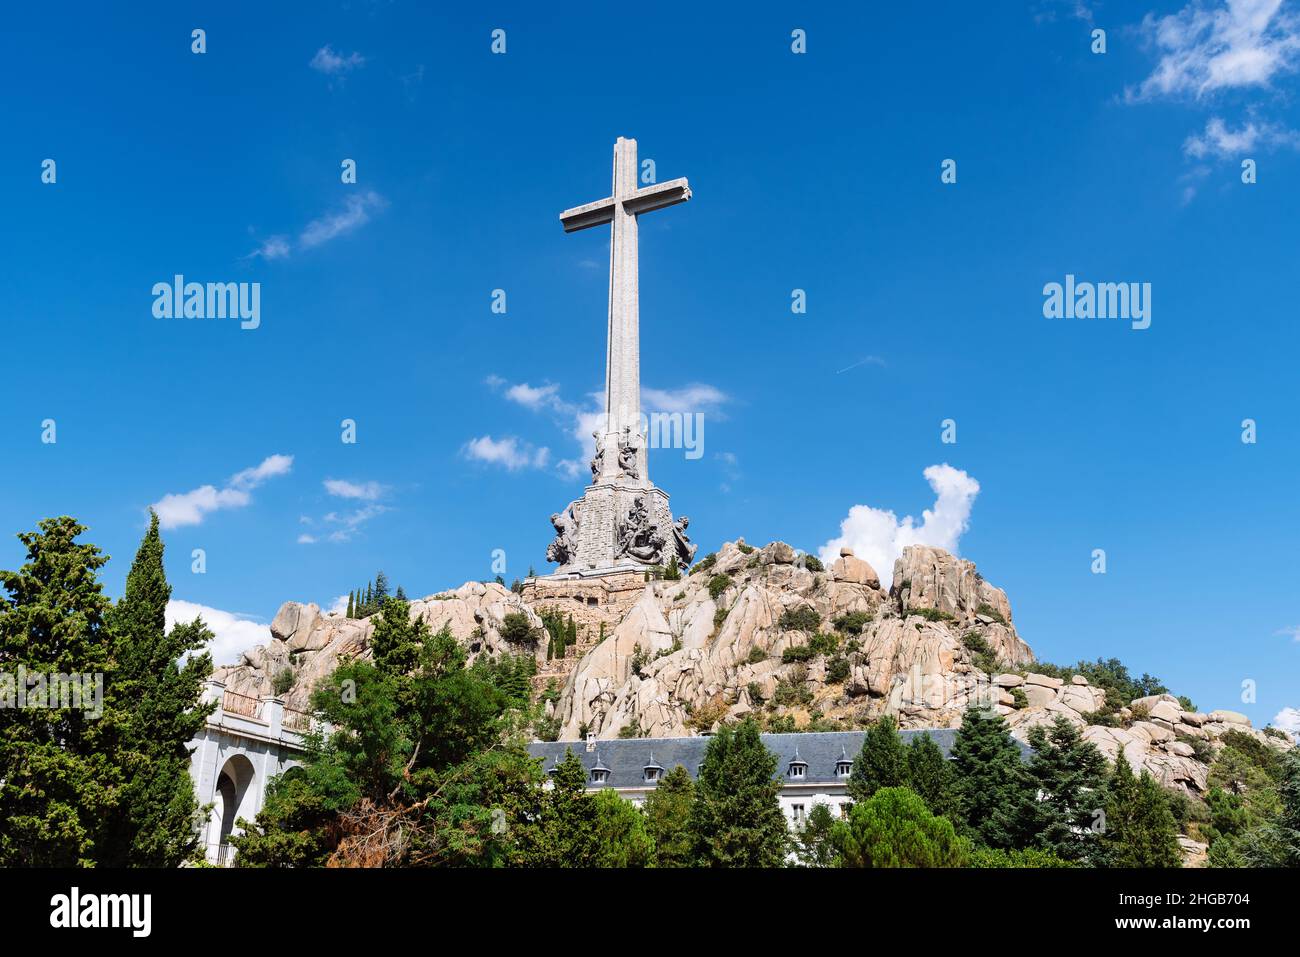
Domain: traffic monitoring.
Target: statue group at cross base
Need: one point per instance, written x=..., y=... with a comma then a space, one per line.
x=638, y=536
x=626, y=455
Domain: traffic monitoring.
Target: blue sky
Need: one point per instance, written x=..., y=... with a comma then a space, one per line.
x=818, y=171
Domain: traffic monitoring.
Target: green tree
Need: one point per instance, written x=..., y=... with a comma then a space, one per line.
x=1070, y=776
x=668, y=815
x=352, y=605
x=930, y=775
x=882, y=762
x=736, y=819
x=814, y=840
x=992, y=787
x=991, y=857
x=893, y=828
x=159, y=818
x=60, y=779
x=1140, y=829
x=621, y=836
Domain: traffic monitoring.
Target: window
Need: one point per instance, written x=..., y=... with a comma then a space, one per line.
x=599, y=776
x=652, y=774
x=797, y=769
x=796, y=811
x=843, y=769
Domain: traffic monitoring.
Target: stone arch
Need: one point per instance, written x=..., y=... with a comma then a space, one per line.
x=235, y=795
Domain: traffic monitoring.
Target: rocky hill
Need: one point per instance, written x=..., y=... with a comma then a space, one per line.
x=766, y=632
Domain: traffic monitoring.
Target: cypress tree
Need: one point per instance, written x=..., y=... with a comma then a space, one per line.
x=668, y=814
x=882, y=762
x=381, y=588
x=60, y=780
x=993, y=790
x=352, y=605
x=1140, y=829
x=1070, y=776
x=930, y=775
x=400, y=595
x=158, y=826
x=736, y=819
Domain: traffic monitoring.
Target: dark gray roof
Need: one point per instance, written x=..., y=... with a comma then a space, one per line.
x=626, y=758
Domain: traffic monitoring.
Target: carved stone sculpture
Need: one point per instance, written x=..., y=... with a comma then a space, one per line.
x=682, y=544
x=565, y=547
x=627, y=456
x=598, y=460
x=639, y=536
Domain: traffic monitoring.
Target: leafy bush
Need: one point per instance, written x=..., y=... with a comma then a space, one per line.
x=1019, y=697
x=283, y=681
x=1186, y=703
x=781, y=724
x=824, y=643
x=852, y=622
x=756, y=654
x=798, y=653
x=705, y=563
x=988, y=611
x=800, y=618
x=792, y=691
x=718, y=584
x=516, y=629
x=1028, y=857
x=932, y=614
x=745, y=549
x=719, y=616
x=813, y=563
x=755, y=693
x=837, y=670
x=984, y=657
x=547, y=728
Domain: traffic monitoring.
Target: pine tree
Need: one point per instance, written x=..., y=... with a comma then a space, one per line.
x=352, y=605
x=736, y=819
x=814, y=842
x=159, y=823
x=894, y=828
x=1139, y=829
x=668, y=813
x=381, y=589
x=60, y=779
x=993, y=790
x=619, y=829
x=400, y=595
x=930, y=775
x=1070, y=776
x=882, y=762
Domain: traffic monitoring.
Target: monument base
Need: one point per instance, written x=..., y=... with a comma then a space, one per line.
x=617, y=528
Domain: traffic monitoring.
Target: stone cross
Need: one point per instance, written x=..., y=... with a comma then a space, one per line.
x=623, y=353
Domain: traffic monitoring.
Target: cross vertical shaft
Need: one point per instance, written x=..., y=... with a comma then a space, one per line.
x=623, y=359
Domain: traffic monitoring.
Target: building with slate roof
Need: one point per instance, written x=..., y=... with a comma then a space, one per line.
x=814, y=767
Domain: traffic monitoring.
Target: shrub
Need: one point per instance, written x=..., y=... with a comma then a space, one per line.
x=745, y=549
x=932, y=614
x=824, y=643
x=705, y=563
x=1019, y=697
x=813, y=563
x=837, y=670
x=798, y=653
x=708, y=714
x=781, y=724
x=283, y=681
x=755, y=693
x=1186, y=703
x=547, y=728
x=1028, y=857
x=983, y=657
x=718, y=584
x=719, y=616
x=989, y=611
x=756, y=654
x=792, y=691
x=674, y=571
x=632, y=730
x=799, y=618
x=852, y=622
x=516, y=629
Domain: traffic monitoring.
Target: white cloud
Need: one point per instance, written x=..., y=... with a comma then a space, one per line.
x=332, y=64
x=1288, y=719
x=355, y=212
x=339, y=607
x=877, y=536
x=234, y=633
x=178, y=509
x=1218, y=140
x=533, y=397
x=509, y=452
x=367, y=491
x=1293, y=632
x=1203, y=49
x=696, y=397
x=347, y=524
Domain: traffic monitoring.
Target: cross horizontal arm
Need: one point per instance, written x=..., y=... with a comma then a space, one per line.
x=658, y=196
x=584, y=217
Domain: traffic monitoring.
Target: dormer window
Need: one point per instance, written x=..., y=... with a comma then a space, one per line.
x=653, y=770
x=798, y=769
x=843, y=767
x=599, y=773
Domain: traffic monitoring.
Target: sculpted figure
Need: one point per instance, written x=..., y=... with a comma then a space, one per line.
x=598, y=461
x=627, y=455
x=682, y=544
x=565, y=547
x=639, y=535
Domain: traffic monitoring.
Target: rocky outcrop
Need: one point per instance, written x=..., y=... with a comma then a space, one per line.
x=757, y=632
x=311, y=644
